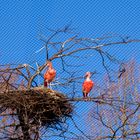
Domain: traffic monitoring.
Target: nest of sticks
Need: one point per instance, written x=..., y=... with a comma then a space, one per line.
x=40, y=106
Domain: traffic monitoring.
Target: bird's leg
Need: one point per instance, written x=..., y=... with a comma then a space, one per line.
x=88, y=98
x=85, y=96
x=46, y=84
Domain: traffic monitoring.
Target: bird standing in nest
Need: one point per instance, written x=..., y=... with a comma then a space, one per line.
x=87, y=85
x=49, y=74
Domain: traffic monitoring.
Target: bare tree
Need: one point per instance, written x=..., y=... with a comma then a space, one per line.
x=120, y=118
x=28, y=110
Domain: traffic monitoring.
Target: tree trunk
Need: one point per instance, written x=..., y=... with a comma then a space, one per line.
x=24, y=126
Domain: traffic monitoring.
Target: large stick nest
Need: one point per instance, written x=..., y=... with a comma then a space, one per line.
x=40, y=106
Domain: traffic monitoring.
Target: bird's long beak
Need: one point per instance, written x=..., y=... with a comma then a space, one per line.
x=92, y=73
x=85, y=75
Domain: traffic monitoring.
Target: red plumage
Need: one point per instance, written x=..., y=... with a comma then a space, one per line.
x=49, y=74
x=87, y=85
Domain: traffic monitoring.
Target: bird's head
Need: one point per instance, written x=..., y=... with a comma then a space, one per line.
x=88, y=74
x=49, y=64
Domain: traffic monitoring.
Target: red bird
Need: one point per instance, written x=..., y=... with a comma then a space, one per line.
x=49, y=74
x=87, y=85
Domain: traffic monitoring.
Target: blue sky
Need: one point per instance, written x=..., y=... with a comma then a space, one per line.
x=21, y=22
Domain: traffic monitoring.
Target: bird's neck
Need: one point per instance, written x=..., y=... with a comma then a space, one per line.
x=88, y=79
x=50, y=67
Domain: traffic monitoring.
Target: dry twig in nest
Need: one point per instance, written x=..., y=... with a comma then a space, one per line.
x=38, y=106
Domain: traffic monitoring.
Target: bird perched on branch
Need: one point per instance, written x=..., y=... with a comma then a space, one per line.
x=49, y=74
x=87, y=85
